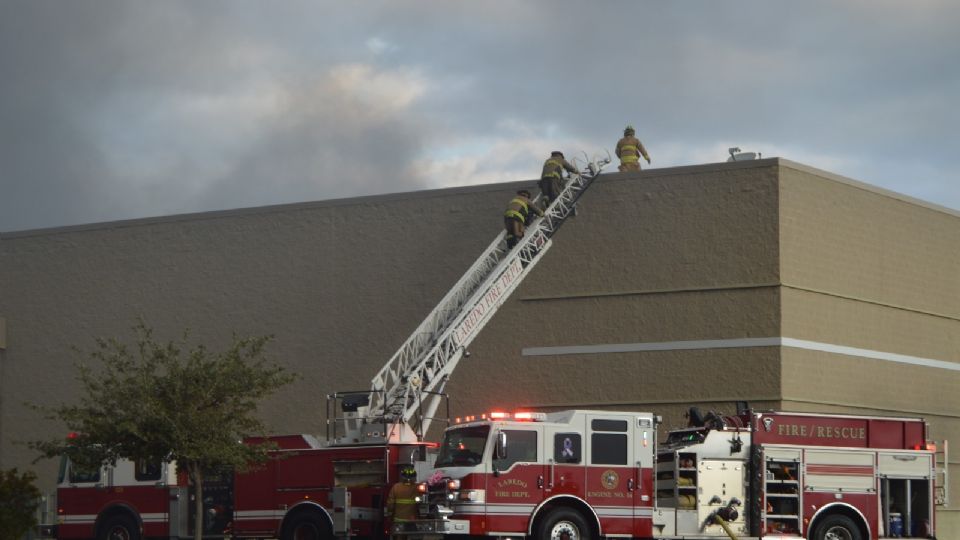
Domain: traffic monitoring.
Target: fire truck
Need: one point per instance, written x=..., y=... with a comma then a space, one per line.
x=585, y=474
x=337, y=487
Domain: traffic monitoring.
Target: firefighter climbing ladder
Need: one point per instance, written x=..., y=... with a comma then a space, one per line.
x=411, y=383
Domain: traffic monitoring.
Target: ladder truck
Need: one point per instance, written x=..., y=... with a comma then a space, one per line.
x=334, y=488
x=585, y=474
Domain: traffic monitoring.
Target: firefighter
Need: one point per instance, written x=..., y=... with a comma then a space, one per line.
x=518, y=215
x=551, y=179
x=402, y=500
x=629, y=150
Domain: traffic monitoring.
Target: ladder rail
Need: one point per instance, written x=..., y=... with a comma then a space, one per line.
x=432, y=373
x=422, y=339
x=410, y=384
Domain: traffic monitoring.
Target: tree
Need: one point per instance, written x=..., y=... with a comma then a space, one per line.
x=169, y=402
x=19, y=499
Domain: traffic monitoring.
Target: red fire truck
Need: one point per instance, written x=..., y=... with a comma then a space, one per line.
x=578, y=474
x=313, y=489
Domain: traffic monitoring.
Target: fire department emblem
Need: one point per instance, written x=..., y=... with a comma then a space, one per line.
x=610, y=479
x=767, y=423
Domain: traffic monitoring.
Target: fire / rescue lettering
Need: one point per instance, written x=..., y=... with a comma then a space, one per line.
x=842, y=432
x=822, y=432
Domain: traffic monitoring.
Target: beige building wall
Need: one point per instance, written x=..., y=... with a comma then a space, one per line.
x=871, y=283
x=700, y=285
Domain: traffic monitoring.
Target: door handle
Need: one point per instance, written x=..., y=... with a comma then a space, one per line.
x=630, y=484
x=540, y=481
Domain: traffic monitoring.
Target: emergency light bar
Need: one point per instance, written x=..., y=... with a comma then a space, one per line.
x=523, y=416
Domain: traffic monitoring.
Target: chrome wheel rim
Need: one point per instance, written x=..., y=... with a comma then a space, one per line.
x=564, y=530
x=119, y=533
x=837, y=533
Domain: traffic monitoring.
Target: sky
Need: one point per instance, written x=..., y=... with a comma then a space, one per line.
x=120, y=109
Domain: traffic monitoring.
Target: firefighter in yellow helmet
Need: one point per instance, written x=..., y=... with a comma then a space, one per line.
x=518, y=215
x=402, y=500
x=629, y=150
x=551, y=179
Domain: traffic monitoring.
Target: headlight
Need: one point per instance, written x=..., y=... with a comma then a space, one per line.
x=473, y=495
x=453, y=485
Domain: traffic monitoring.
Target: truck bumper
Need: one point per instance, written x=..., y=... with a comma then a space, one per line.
x=430, y=528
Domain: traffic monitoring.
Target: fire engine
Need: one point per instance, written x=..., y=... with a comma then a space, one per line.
x=582, y=474
x=320, y=489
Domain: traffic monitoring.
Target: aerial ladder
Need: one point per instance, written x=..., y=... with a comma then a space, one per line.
x=405, y=394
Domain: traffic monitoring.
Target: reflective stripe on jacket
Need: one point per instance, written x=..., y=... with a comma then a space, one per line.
x=629, y=149
x=517, y=209
x=552, y=168
x=402, y=502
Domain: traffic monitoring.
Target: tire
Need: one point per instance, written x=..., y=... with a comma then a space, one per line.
x=120, y=527
x=837, y=527
x=306, y=527
x=563, y=524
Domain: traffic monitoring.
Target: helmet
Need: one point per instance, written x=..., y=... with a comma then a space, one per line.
x=628, y=130
x=556, y=153
x=524, y=192
x=407, y=472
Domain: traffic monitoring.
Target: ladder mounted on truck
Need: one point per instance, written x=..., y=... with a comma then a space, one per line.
x=410, y=385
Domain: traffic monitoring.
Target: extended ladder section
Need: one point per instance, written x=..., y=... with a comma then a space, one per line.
x=410, y=385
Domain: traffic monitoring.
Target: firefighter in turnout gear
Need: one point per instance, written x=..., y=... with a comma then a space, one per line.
x=551, y=179
x=402, y=500
x=518, y=215
x=629, y=150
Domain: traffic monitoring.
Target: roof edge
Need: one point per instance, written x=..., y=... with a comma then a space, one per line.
x=867, y=187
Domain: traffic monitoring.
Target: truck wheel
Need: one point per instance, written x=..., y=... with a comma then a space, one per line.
x=837, y=527
x=563, y=524
x=305, y=527
x=119, y=528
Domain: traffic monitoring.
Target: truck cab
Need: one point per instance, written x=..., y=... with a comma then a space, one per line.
x=574, y=473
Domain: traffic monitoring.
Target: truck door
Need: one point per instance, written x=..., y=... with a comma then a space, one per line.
x=644, y=445
x=566, y=474
x=516, y=483
x=611, y=476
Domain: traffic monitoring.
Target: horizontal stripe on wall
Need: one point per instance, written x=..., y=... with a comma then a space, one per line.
x=741, y=343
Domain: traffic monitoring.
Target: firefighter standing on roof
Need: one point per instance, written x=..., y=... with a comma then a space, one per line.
x=551, y=179
x=402, y=500
x=518, y=215
x=629, y=150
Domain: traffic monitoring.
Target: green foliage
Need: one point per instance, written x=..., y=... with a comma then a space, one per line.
x=168, y=401
x=19, y=499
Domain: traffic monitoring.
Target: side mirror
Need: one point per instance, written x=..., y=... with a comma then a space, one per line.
x=500, y=448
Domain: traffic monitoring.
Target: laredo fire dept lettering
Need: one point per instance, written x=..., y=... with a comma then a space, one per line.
x=511, y=488
x=485, y=306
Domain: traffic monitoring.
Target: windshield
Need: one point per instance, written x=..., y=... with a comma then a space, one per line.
x=463, y=447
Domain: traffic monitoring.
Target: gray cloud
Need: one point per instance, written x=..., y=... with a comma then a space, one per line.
x=112, y=109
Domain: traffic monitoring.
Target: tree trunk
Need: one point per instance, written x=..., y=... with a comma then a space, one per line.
x=197, y=476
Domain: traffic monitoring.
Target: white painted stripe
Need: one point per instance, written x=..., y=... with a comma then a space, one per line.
x=652, y=346
x=614, y=512
x=258, y=514
x=75, y=520
x=742, y=343
x=867, y=353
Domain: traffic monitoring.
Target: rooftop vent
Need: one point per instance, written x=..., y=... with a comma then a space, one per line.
x=737, y=155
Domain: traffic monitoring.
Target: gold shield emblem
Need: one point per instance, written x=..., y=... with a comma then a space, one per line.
x=610, y=479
